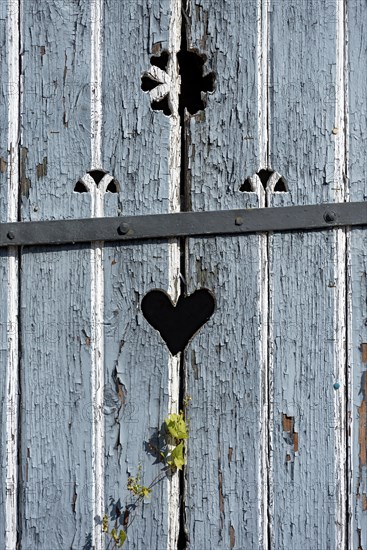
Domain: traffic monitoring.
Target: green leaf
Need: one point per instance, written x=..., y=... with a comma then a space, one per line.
x=176, y=458
x=122, y=538
x=176, y=426
x=105, y=523
x=114, y=535
x=145, y=491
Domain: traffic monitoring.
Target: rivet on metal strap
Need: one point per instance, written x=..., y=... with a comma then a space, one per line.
x=123, y=228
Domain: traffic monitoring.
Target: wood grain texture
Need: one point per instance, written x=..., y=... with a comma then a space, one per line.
x=307, y=283
x=136, y=389
x=303, y=42
x=224, y=138
x=357, y=107
x=139, y=149
x=9, y=167
x=135, y=138
x=56, y=503
x=6, y=93
x=224, y=364
x=357, y=406
x=4, y=160
x=57, y=411
x=305, y=354
x=6, y=405
x=225, y=380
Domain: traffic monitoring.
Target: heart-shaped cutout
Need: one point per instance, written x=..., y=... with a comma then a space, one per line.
x=178, y=324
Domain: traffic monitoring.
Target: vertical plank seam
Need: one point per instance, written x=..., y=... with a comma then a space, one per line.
x=174, y=156
x=97, y=279
x=11, y=507
x=262, y=88
x=340, y=312
x=96, y=82
x=349, y=423
x=350, y=519
x=264, y=479
x=340, y=106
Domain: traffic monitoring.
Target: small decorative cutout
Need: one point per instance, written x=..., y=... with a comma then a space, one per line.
x=178, y=324
x=194, y=84
x=112, y=187
x=269, y=179
x=247, y=187
x=160, y=61
x=158, y=83
x=100, y=178
x=97, y=175
x=280, y=186
x=80, y=187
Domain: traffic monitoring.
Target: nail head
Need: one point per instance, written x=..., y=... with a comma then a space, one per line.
x=329, y=216
x=123, y=228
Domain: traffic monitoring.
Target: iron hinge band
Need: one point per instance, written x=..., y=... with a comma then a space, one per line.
x=185, y=224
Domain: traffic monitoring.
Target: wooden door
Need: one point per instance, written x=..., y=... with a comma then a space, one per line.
x=114, y=108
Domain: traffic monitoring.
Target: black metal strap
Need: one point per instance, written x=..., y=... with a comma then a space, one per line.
x=186, y=224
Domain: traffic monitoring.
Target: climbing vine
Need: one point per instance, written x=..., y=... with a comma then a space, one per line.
x=171, y=454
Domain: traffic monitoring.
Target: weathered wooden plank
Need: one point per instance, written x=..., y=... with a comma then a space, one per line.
x=57, y=502
x=141, y=148
x=307, y=280
x=307, y=412
x=225, y=380
x=137, y=392
x=357, y=359
x=357, y=364
x=310, y=39
x=225, y=364
x=57, y=410
x=6, y=406
x=9, y=128
x=7, y=93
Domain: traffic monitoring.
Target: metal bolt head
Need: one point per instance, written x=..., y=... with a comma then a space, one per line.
x=123, y=228
x=238, y=220
x=329, y=216
x=10, y=235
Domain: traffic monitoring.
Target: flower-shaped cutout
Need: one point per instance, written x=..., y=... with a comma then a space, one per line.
x=194, y=83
